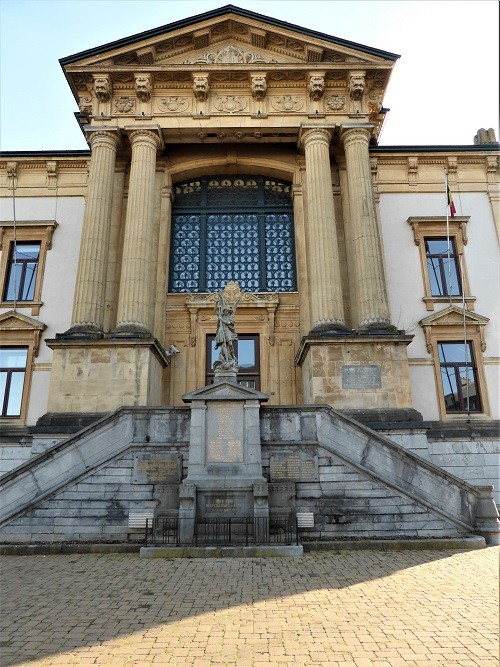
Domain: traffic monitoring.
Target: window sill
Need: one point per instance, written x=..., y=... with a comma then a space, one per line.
x=432, y=301
x=34, y=305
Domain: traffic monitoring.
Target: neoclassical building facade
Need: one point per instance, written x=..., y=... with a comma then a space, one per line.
x=235, y=152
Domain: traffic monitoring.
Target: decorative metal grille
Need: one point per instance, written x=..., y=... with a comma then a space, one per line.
x=232, y=228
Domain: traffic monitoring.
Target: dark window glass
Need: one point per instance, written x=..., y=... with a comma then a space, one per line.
x=459, y=377
x=21, y=272
x=232, y=228
x=444, y=275
x=12, y=373
x=246, y=348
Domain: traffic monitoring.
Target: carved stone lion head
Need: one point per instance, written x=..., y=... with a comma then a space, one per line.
x=356, y=86
x=102, y=87
x=316, y=86
x=200, y=88
x=143, y=88
x=259, y=87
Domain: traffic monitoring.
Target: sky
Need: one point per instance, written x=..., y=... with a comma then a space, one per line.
x=443, y=89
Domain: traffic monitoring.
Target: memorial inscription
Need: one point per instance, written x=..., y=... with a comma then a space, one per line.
x=157, y=467
x=224, y=433
x=294, y=467
x=361, y=377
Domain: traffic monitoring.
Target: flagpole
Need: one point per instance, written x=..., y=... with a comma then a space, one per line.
x=447, y=190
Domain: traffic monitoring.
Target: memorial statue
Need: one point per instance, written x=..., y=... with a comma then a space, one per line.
x=225, y=335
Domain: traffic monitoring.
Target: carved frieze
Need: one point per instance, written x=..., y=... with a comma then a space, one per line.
x=173, y=104
x=335, y=102
x=258, y=86
x=201, y=87
x=229, y=55
x=102, y=87
x=143, y=87
x=287, y=103
x=230, y=103
x=125, y=104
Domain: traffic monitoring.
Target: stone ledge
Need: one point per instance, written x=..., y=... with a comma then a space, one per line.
x=401, y=544
x=264, y=551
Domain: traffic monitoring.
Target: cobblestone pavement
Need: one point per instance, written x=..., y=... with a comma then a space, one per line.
x=358, y=608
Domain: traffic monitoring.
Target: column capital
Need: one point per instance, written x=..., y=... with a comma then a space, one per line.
x=356, y=131
x=308, y=133
x=149, y=133
x=103, y=135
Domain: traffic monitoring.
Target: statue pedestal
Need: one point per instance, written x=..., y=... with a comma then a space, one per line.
x=225, y=463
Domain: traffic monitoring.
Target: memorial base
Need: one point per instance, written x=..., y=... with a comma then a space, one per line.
x=364, y=371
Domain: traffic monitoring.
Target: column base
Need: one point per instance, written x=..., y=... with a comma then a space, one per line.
x=131, y=331
x=81, y=331
x=101, y=375
x=356, y=371
x=330, y=329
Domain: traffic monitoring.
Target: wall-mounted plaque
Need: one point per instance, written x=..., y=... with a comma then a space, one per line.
x=157, y=467
x=293, y=467
x=361, y=377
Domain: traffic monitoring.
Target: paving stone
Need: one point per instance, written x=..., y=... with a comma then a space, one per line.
x=360, y=609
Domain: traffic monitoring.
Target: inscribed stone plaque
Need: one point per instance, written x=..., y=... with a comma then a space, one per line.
x=293, y=467
x=361, y=377
x=225, y=433
x=224, y=503
x=157, y=467
x=167, y=496
x=282, y=495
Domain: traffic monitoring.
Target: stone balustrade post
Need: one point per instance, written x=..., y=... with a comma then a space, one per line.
x=90, y=290
x=366, y=247
x=325, y=295
x=135, y=312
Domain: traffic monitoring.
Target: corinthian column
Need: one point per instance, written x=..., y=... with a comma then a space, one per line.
x=135, y=313
x=325, y=291
x=88, y=307
x=366, y=248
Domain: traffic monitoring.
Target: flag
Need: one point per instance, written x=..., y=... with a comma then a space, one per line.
x=453, y=210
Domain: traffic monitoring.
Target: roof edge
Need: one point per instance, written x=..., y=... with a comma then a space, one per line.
x=435, y=149
x=46, y=153
x=214, y=13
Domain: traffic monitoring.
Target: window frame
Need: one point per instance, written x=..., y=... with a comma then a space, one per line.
x=10, y=370
x=447, y=326
x=455, y=366
x=25, y=232
x=18, y=330
x=434, y=227
x=251, y=373
x=204, y=208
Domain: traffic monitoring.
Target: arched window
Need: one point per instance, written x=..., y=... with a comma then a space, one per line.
x=232, y=228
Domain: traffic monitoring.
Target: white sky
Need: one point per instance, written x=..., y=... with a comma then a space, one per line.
x=444, y=87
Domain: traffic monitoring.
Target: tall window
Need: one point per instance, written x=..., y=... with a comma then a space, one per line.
x=442, y=265
x=232, y=228
x=246, y=349
x=12, y=374
x=459, y=377
x=22, y=271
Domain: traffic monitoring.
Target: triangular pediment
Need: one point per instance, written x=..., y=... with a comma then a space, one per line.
x=227, y=35
x=452, y=316
x=224, y=391
x=14, y=321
